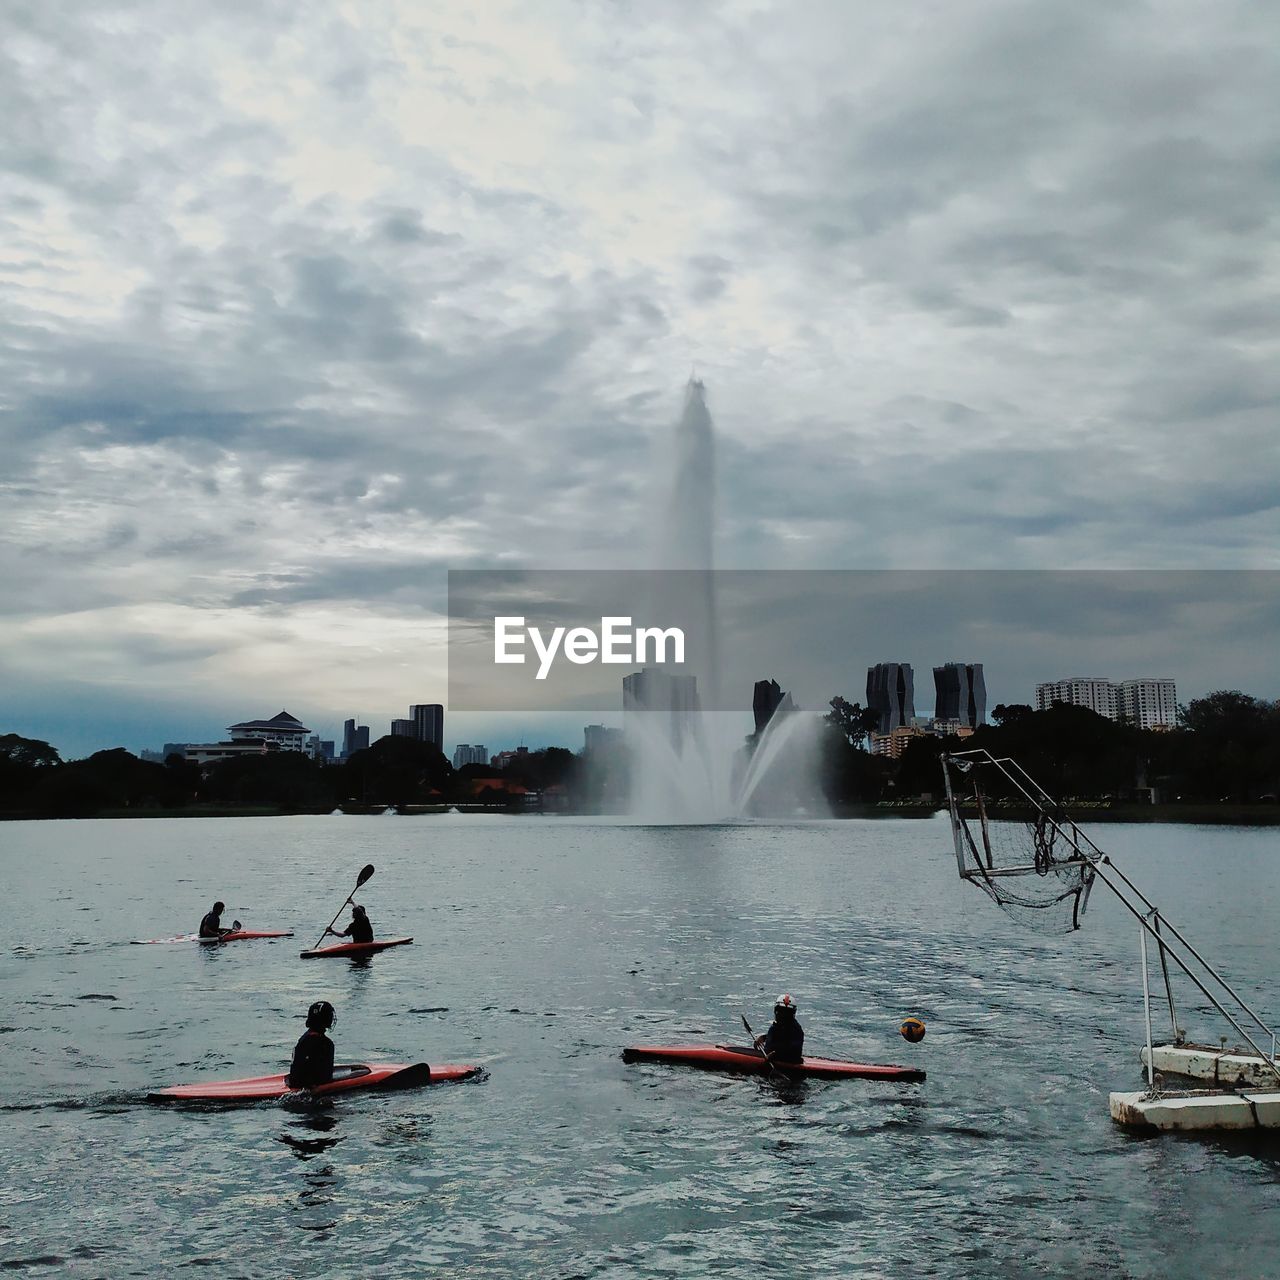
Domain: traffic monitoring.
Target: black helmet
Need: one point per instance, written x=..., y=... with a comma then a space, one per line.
x=320, y=1017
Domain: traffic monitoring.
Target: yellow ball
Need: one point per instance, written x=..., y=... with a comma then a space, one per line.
x=912, y=1029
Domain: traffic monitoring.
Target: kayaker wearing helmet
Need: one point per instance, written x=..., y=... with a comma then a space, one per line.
x=359, y=930
x=313, y=1054
x=211, y=925
x=784, y=1040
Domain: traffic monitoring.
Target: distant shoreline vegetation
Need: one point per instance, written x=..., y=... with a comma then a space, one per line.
x=1220, y=764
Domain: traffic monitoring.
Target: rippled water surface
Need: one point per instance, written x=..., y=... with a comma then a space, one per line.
x=544, y=946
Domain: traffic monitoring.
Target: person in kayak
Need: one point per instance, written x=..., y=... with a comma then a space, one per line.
x=359, y=930
x=784, y=1041
x=313, y=1054
x=211, y=925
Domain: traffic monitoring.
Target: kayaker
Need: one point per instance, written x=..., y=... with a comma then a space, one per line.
x=313, y=1054
x=211, y=925
x=784, y=1041
x=359, y=930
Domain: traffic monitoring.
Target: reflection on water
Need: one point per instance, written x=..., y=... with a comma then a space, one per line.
x=305, y=1148
x=543, y=948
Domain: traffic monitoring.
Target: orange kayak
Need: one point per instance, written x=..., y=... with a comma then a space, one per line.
x=355, y=948
x=723, y=1057
x=385, y=1075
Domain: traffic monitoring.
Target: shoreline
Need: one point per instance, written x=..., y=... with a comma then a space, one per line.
x=1085, y=812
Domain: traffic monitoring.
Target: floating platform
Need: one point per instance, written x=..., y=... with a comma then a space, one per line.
x=1197, y=1110
x=1229, y=1069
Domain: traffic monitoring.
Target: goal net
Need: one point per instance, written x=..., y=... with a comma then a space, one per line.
x=1023, y=852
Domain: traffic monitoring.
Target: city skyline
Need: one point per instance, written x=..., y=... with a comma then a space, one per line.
x=1114, y=699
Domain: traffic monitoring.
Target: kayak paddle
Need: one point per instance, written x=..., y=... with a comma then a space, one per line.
x=768, y=1057
x=364, y=875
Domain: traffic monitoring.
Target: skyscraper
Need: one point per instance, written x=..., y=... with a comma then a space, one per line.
x=767, y=700
x=428, y=723
x=961, y=693
x=653, y=689
x=600, y=737
x=355, y=737
x=891, y=694
x=403, y=729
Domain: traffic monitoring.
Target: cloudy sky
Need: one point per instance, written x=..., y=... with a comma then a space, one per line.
x=302, y=305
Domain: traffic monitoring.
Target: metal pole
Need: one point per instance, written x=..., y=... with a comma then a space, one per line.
x=1146, y=1010
x=1168, y=987
x=1222, y=982
x=1182, y=964
x=1133, y=888
x=953, y=815
x=1101, y=865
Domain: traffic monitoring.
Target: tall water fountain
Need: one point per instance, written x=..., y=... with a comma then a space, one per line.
x=699, y=769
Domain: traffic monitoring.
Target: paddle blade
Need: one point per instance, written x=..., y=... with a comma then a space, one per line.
x=364, y=875
x=410, y=1078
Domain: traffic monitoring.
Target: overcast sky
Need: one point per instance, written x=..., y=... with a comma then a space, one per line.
x=303, y=305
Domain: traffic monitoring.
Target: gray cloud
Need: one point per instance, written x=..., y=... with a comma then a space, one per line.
x=300, y=308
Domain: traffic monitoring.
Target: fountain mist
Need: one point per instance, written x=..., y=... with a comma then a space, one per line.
x=701, y=771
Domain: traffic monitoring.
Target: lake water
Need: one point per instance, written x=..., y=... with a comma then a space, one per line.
x=543, y=947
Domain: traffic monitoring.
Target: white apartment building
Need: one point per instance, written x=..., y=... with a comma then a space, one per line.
x=1093, y=692
x=1149, y=704
x=1145, y=703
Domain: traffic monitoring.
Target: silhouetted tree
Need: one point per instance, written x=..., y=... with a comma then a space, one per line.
x=1010, y=713
x=852, y=720
x=397, y=771
x=23, y=761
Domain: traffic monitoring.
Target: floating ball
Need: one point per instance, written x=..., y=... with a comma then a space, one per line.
x=912, y=1029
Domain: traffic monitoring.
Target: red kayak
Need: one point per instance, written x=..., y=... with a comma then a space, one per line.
x=723, y=1057
x=236, y=935
x=385, y=1075
x=355, y=948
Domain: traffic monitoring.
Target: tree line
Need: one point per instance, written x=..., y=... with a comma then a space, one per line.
x=1225, y=749
x=394, y=771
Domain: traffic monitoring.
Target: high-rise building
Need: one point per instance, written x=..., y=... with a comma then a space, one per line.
x=1149, y=703
x=355, y=737
x=428, y=723
x=767, y=700
x=654, y=690
x=403, y=729
x=1094, y=692
x=961, y=693
x=600, y=737
x=891, y=695
x=464, y=753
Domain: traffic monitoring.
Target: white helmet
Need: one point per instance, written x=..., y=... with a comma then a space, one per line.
x=785, y=1002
